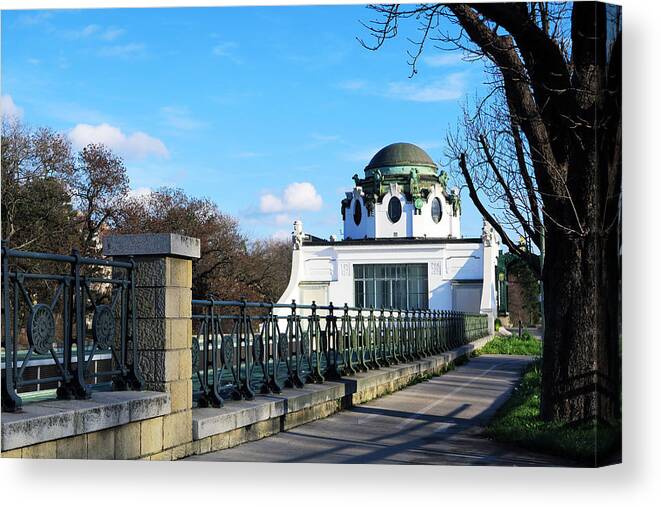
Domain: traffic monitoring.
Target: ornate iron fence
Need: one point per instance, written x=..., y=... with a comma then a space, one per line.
x=241, y=348
x=71, y=309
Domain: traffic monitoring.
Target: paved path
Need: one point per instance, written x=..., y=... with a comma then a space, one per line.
x=434, y=422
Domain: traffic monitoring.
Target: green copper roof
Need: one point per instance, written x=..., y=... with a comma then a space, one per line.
x=401, y=154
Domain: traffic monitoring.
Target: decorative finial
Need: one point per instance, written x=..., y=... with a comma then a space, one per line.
x=297, y=236
x=488, y=233
x=443, y=180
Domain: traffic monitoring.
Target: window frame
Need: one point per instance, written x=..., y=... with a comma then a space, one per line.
x=440, y=210
x=386, y=285
x=401, y=210
x=357, y=212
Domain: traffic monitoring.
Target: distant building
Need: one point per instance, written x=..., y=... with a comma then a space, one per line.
x=402, y=245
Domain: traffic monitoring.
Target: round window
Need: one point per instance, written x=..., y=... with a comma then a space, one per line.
x=436, y=210
x=357, y=212
x=394, y=209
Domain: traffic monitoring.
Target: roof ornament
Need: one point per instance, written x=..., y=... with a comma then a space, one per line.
x=414, y=184
x=443, y=180
x=297, y=235
x=455, y=201
x=378, y=178
x=488, y=233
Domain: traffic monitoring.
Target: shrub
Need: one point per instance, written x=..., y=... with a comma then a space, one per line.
x=513, y=345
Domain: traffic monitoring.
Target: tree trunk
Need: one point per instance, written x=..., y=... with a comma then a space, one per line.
x=581, y=375
x=581, y=362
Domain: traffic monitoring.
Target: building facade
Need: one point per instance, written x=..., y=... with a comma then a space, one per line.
x=402, y=245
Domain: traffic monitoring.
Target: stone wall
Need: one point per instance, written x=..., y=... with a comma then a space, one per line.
x=135, y=440
x=109, y=425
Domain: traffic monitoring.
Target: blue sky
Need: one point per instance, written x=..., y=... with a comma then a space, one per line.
x=268, y=111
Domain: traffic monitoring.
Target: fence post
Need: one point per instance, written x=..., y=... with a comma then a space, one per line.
x=163, y=281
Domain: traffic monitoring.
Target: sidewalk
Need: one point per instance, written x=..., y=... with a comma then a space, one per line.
x=435, y=422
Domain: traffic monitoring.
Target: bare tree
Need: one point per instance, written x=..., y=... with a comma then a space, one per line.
x=268, y=268
x=230, y=266
x=98, y=186
x=544, y=149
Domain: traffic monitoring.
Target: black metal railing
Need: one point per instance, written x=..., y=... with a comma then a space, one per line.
x=241, y=348
x=70, y=309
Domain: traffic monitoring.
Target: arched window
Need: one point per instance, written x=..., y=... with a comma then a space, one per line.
x=436, y=210
x=357, y=212
x=394, y=209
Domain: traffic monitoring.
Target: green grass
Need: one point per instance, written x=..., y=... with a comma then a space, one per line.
x=513, y=345
x=519, y=422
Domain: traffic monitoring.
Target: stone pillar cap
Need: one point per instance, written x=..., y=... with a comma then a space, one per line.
x=167, y=244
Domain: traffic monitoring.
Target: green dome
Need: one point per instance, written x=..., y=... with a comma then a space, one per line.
x=403, y=164
x=401, y=155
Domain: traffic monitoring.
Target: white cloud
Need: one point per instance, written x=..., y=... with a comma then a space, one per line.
x=451, y=87
x=180, y=118
x=429, y=145
x=269, y=203
x=443, y=59
x=301, y=196
x=111, y=33
x=137, y=145
x=35, y=19
x=9, y=107
x=81, y=33
x=89, y=30
x=108, y=34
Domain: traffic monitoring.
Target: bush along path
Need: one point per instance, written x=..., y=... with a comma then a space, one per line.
x=526, y=345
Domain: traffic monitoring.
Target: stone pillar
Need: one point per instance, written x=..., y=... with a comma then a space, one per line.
x=163, y=276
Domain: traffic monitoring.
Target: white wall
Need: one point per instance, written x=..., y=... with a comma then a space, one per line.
x=332, y=265
x=424, y=225
x=385, y=228
x=366, y=228
x=410, y=224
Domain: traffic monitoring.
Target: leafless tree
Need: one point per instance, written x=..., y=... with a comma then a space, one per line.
x=541, y=157
x=230, y=266
x=98, y=186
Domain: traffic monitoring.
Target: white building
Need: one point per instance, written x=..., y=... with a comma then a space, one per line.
x=402, y=245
